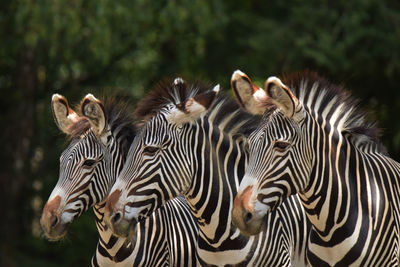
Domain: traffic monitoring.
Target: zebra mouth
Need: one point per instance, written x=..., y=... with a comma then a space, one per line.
x=125, y=228
x=56, y=233
x=253, y=226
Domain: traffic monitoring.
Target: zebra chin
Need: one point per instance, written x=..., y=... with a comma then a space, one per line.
x=56, y=233
x=123, y=228
x=54, y=228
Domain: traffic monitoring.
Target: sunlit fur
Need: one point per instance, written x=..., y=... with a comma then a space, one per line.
x=81, y=187
x=348, y=185
x=204, y=160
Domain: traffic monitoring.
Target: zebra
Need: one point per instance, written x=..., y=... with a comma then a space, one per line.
x=100, y=139
x=315, y=141
x=193, y=144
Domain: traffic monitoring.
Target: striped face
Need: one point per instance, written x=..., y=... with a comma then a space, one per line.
x=158, y=169
x=280, y=158
x=280, y=163
x=160, y=164
x=84, y=180
x=82, y=183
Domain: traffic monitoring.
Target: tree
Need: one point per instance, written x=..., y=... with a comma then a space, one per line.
x=125, y=47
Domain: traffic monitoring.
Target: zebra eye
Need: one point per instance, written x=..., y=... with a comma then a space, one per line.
x=89, y=163
x=150, y=149
x=281, y=145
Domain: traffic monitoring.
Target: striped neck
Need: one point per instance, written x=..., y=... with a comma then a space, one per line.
x=111, y=248
x=214, y=183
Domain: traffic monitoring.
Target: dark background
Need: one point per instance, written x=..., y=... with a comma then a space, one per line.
x=74, y=47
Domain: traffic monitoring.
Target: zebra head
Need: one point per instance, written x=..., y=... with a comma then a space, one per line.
x=159, y=166
x=85, y=165
x=280, y=158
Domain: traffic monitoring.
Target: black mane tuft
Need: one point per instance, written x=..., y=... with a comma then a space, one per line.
x=168, y=92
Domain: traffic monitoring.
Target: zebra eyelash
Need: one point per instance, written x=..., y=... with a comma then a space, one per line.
x=150, y=150
x=281, y=146
x=89, y=163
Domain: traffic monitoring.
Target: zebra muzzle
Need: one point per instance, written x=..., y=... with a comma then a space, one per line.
x=115, y=216
x=121, y=226
x=50, y=220
x=243, y=214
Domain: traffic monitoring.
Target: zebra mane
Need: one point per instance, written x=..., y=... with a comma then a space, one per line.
x=120, y=119
x=168, y=92
x=310, y=88
x=224, y=109
x=227, y=114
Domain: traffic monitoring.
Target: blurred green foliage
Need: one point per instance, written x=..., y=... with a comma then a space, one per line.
x=125, y=47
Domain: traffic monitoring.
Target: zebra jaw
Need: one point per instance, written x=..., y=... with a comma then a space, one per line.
x=124, y=228
x=58, y=233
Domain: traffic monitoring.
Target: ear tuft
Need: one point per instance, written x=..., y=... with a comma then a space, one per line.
x=216, y=88
x=281, y=95
x=192, y=108
x=93, y=109
x=179, y=85
x=63, y=115
x=178, y=80
x=249, y=96
x=238, y=75
x=205, y=99
x=57, y=97
x=91, y=98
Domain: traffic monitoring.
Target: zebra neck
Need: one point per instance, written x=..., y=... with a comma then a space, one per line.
x=214, y=185
x=337, y=185
x=211, y=195
x=111, y=248
x=117, y=159
x=350, y=197
x=326, y=183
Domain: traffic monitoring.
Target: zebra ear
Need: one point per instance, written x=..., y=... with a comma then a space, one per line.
x=281, y=96
x=249, y=95
x=63, y=115
x=93, y=109
x=194, y=107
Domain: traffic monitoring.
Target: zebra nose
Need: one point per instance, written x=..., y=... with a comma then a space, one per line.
x=243, y=210
x=247, y=216
x=50, y=214
x=53, y=221
x=116, y=217
x=111, y=201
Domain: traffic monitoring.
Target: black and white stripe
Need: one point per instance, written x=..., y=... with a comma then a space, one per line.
x=203, y=157
x=329, y=154
x=88, y=169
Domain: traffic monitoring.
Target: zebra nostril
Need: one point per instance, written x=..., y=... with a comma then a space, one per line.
x=53, y=221
x=247, y=217
x=116, y=218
